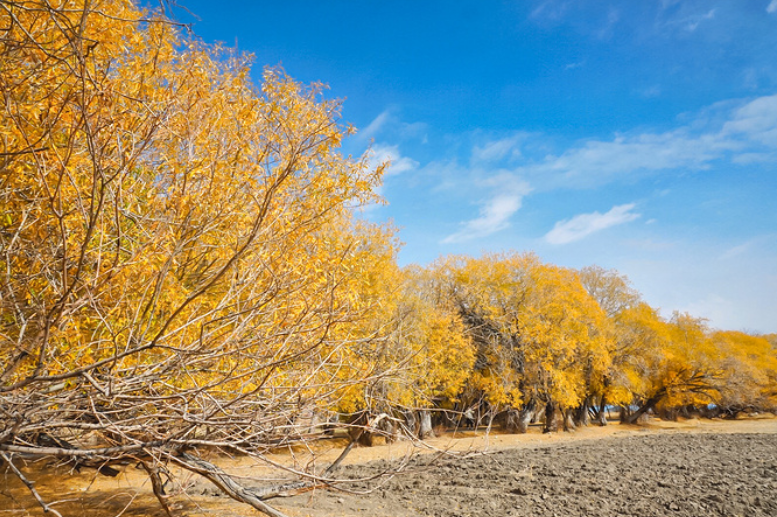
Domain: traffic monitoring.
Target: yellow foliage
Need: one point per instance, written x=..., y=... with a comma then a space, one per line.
x=750, y=369
x=170, y=225
x=668, y=363
x=539, y=333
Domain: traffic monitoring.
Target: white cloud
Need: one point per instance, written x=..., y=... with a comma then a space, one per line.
x=381, y=153
x=577, y=64
x=694, y=22
x=750, y=158
x=682, y=16
x=497, y=149
x=582, y=225
x=756, y=119
x=495, y=214
x=749, y=247
x=550, y=10
x=388, y=126
x=772, y=7
x=595, y=162
x=373, y=127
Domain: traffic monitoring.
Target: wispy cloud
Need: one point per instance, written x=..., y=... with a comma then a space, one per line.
x=375, y=126
x=497, y=149
x=757, y=120
x=550, y=10
x=749, y=246
x=598, y=162
x=683, y=16
x=693, y=23
x=577, y=64
x=388, y=125
x=613, y=16
x=743, y=133
x=381, y=153
x=495, y=214
x=772, y=7
x=583, y=225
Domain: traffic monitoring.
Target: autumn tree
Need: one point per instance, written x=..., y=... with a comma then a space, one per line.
x=487, y=292
x=541, y=337
x=615, y=295
x=569, y=340
x=674, y=363
x=611, y=290
x=181, y=268
x=749, y=379
x=432, y=337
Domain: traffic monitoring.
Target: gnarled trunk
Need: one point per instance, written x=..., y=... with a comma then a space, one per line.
x=518, y=421
x=647, y=406
x=551, y=417
x=524, y=419
x=512, y=419
x=569, y=420
x=624, y=413
x=581, y=416
x=601, y=414
x=425, y=425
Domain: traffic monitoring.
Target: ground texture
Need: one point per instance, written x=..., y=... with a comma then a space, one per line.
x=642, y=476
x=692, y=469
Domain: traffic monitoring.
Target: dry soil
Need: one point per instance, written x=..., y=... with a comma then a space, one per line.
x=692, y=468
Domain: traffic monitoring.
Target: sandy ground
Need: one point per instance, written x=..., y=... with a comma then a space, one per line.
x=690, y=468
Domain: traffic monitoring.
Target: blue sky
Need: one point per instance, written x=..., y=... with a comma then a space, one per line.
x=640, y=136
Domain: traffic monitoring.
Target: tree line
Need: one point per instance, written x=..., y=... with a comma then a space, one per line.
x=184, y=271
x=569, y=344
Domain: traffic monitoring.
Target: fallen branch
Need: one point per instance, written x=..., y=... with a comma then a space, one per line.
x=228, y=485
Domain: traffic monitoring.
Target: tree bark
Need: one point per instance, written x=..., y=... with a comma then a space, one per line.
x=526, y=415
x=228, y=485
x=581, y=415
x=624, y=413
x=157, y=486
x=512, y=419
x=411, y=422
x=647, y=406
x=425, y=425
x=551, y=417
x=569, y=420
x=601, y=415
x=358, y=430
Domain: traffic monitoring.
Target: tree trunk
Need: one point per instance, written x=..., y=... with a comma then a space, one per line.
x=568, y=418
x=670, y=414
x=425, y=428
x=468, y=419
x=551, y=418
x=512, y=421
x=624, y=412
x=581, y=415
x=601, y=415
x=647, y=406
x=526, y=415
x=389, y=429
